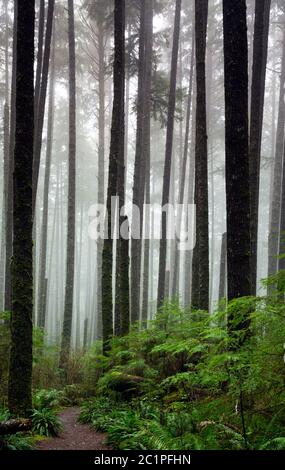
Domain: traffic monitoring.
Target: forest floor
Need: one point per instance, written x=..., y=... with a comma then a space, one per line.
x=74, y=436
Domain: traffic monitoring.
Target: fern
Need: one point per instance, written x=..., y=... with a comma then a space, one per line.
x=274, y=444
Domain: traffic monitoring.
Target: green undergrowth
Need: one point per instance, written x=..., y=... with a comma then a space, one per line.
x=186, y=383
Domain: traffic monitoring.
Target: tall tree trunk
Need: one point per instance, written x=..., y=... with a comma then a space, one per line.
x=44, y=234
x=146, y=151
x=9, y=201
x=127, y=108
x=20, y=368
x=70, y=245
x=101, y=171
x=168, y=154
x=183, y=167
x=189, y=255
x=123, y=242
x=40, y=113
x=281, y=252
x=274, y=225
x=41, y=25
x=237, y=156
x=78, y=282
x=5, y=157
x=223, y=268
x=201, y=158
x=260, y=46
x=116, y=151
x=139, y=174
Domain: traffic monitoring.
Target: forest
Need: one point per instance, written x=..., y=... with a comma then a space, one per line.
x=142, y=225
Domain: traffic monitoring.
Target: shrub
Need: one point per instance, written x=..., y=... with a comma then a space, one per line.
x=46, y=422
x=44, y=399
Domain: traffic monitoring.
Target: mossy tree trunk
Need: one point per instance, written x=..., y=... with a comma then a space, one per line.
x=139, y=173
x=70, y=246
x=20, y=368
x=10, y=167
x=116, y=159
x=201, y=160
x=237, y=155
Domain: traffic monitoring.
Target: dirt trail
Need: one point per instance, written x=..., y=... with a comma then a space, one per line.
x=74, y=436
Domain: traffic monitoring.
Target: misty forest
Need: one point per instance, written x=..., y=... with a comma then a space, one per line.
x=142, y=224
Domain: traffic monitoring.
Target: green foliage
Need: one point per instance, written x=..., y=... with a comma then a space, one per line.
x=46, y=422
x=4, y=414
x=44, y=399
x=18, y=441
x=199, y=385
x=274, y=444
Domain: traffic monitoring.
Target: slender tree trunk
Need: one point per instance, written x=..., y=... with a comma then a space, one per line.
x=21, y=357
x=40, y=113
x=183, y=167
x=260, y=46
x=281, y=251
x=44, y=234
x=78, y=282
x=209, y=81
x=168, y=154
x=127, y=109
x=189, y=255
x=101, y=171
x=123, y=242
x=237, y=156
x=201, y=158
x=41, y=25
x=274, y=225
x=139, y=174
x=146, y=150
x=223, y=268
x=116, y=151
x=70, y=246
x=5, y=157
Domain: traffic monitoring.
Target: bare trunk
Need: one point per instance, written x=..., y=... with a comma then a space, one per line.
x=44, y=234
x=70, y=246
x=168, y=155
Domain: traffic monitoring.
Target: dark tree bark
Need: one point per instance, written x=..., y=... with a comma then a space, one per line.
x=237, y=156
x=201, y=161
x=9, y=199
x=168, y=154
x=260, y=47
x=40, y=112
x=12, y=426
x=146, y=151
x=101, y=168
x=44, y=234
x=20, y=368
x=41, y=25
x=70, y=246
x=223, y=268
x=116, y=152
x=274, y=225
x=139, y=174
x=189, y=265
x=175, y=290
